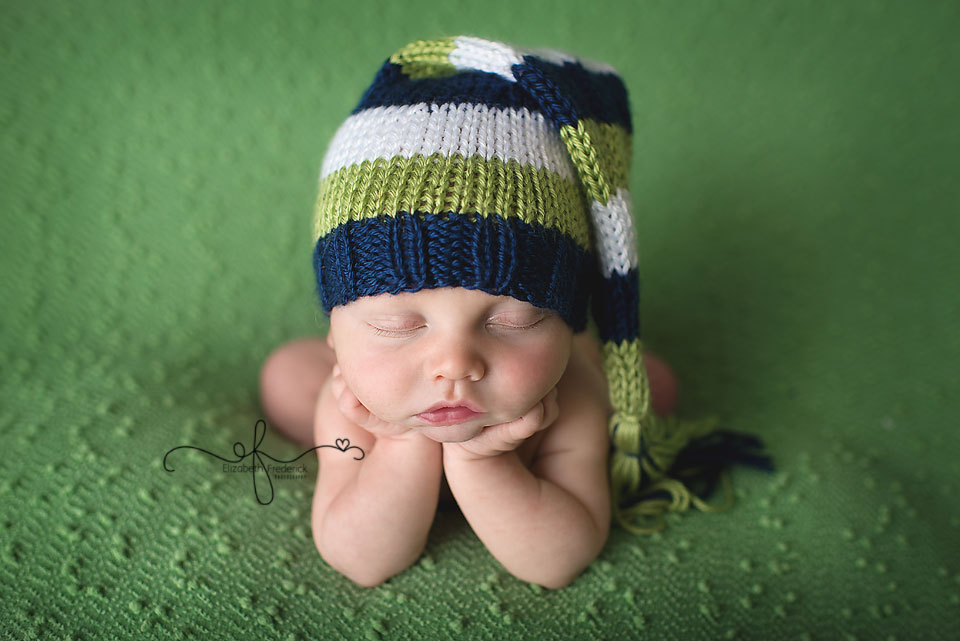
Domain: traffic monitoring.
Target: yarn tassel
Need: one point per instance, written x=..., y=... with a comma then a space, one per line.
x=693, y=476
x=663, y=464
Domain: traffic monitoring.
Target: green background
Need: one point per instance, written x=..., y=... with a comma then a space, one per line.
x=796, y=193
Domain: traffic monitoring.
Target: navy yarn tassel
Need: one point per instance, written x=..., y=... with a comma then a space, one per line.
x=701, y=462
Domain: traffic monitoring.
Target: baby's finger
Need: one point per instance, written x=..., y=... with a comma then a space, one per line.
x=493, y=440
x=551, y=408
x=517, y=431
x=540, y=416
x=351, y=407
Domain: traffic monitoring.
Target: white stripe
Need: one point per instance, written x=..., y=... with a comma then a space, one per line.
x=616, y=237
x=555, y=56
x=598, y=66
x=558, y=57
x=499, y=57
x=467, y=129
x=485, y=55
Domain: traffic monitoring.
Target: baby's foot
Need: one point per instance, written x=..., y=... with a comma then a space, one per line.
x=663, y=384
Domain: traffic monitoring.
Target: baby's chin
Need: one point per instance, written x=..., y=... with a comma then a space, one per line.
x=452, y=433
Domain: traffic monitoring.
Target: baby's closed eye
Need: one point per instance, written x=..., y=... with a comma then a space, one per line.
x=516, y=322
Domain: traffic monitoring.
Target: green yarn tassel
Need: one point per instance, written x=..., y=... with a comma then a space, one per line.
x=663, y=439
x=656, y=459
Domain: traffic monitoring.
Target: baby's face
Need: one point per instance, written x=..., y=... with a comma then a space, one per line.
x=403, y=354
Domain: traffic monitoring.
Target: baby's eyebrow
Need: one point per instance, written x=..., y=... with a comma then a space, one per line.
x=399, y=307
x=522, y=310
x=394, y=308
x=496, y=310
x=403, y=316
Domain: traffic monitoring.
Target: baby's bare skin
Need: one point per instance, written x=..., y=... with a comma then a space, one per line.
x=293, y=373
x=532, y=483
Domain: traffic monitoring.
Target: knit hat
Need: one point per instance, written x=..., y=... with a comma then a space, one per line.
x=479, y=164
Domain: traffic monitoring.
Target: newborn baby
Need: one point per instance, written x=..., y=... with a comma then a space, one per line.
x=473, y=211
x=525, y=454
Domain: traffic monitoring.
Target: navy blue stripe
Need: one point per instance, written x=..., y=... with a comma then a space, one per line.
x=585, y=94
x=391, y=87
x=503, y=257
x=570, y=92
x=617, y=311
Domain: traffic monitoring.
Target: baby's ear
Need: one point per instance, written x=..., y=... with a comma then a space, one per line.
x=330, y=338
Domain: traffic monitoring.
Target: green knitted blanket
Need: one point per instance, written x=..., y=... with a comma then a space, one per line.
x=796, y=198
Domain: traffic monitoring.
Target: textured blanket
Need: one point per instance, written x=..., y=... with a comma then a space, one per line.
x=796, y=200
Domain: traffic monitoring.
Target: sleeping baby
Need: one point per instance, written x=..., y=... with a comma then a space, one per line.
x=472, y=210
x=490, y=392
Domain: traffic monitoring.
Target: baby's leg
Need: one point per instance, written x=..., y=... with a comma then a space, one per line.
x=290, y=380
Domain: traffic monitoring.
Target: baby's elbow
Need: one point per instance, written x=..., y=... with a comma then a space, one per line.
x=366, y=579
x=366, y=571
x=358, y=571
x=558, y=582
x=556, y=577
x=562, y=575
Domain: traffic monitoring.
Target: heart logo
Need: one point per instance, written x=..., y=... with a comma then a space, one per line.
x=342, y=444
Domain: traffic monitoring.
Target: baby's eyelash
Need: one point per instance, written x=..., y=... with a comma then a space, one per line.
x=395, y=332
x=404, y=332
x=511, y=326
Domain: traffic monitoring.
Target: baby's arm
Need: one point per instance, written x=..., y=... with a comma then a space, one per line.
x=547, y=523
x=371, y=517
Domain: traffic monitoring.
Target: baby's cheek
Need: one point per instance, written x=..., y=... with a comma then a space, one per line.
x=531, y=374
x=373, y=379
x=547, y=364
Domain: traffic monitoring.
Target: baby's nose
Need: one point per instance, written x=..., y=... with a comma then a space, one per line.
x=455, y=359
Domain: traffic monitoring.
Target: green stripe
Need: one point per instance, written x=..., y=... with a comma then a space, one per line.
x=629, y=393
x=439, y=184
x=426, y=58
x=613, y=145
x=601, y=154
x=623, y=363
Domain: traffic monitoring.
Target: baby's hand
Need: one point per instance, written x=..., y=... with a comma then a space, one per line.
x=351, y=407
x=506, y=437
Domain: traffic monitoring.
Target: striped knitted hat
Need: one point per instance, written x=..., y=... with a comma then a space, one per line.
x=478, y=164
